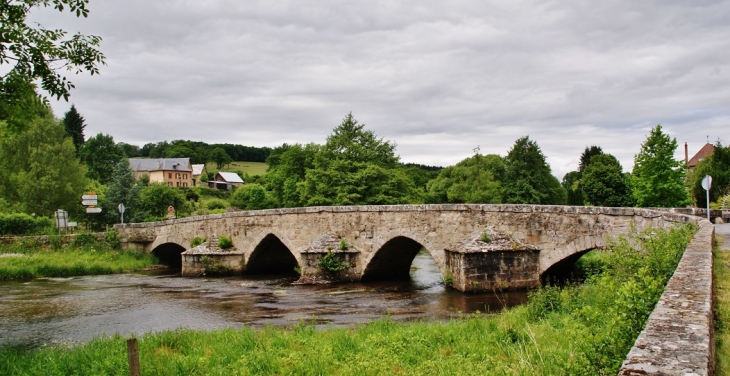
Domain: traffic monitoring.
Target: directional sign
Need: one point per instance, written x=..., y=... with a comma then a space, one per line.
x=93, y=210
x=89, y=202
x=89, y=197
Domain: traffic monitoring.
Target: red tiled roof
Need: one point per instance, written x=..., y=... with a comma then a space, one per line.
x=705, y=152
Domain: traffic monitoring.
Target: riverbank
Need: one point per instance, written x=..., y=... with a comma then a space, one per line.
x=87, y=254
x=584, y=329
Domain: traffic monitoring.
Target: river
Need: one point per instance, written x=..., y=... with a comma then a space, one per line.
x=50, y=311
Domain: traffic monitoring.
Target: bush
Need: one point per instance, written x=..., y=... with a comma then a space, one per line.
x=197, y=241
x=225, y=242
x=84, y=240
x=23, y=224
x=112, y=238
x=331, y=263
x=216, y=204
x=485, y=238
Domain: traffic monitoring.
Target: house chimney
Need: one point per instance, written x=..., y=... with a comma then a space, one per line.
x=685, y=154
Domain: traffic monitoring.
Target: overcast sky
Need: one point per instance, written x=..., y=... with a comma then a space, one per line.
x=437, y=78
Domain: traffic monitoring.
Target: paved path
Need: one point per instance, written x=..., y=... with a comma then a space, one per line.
x=724, y=230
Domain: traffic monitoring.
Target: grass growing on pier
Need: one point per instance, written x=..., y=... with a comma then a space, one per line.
x=579, y=330
x=27, y=259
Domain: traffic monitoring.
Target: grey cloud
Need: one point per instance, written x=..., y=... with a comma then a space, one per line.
x=437, y=78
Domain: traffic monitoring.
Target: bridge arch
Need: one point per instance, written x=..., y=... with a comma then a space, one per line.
x=271, y=256
x=169, y=254
x=392, y=261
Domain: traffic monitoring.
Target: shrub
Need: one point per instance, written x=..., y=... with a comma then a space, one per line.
x=225, y=242
x=84, y=240
x=197, y=241
x=23, y=224
x=485, y=238
x=343, y=245
x=216, y=204
x=112, y=238
x=331, y=263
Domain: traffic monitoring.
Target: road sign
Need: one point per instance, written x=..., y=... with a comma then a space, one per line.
x=93, y=210
x=89, y=202
x=89, y=197
x=707, y=182
x=121, y=208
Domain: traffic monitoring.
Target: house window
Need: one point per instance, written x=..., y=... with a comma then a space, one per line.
x=177, y=176
x=185, y=184
x=185, y=176
x=169, y=184
x=177, y=184
x=169, y=176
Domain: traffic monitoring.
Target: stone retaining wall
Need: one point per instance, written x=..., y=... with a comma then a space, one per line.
x=678, y=338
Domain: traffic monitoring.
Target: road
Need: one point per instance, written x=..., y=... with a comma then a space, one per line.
x=724, y=230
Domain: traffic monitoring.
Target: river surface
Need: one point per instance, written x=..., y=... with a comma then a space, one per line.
x=50, y=311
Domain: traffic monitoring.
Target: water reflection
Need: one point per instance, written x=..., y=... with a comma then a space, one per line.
x=47, y=311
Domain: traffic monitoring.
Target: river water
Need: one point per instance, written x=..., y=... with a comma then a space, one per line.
x=50, y=311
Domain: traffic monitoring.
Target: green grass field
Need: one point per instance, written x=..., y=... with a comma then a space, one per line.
x=250, y=168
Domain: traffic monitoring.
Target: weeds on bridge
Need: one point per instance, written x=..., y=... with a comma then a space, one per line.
x=578, y=330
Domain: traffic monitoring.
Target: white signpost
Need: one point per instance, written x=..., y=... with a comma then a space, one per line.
x=707, y=184
x=90, y=200
x=121, y=211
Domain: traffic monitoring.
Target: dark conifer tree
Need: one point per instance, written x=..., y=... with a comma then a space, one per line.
x=75, y=124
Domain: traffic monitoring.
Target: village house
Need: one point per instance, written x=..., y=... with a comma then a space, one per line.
x=226, y=180
x=175, y=172
x=705, y=152
x=199, y=171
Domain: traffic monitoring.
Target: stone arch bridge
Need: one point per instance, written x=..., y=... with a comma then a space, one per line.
x=477, y=247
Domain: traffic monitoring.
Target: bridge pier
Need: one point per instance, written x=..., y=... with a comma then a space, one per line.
x=491, y=271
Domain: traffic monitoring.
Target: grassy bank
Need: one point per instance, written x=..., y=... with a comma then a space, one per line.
x=579, y=330
x=721, y=279
x=86, y=255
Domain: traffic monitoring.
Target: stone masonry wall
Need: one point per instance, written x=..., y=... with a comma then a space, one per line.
x=678, y=338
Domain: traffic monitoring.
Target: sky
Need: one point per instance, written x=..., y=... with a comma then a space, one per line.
x=437, y=78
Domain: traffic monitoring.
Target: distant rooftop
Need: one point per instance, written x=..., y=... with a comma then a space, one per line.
x=705, y=152
x=198, y=169
x=231, y=177
x=179, y=164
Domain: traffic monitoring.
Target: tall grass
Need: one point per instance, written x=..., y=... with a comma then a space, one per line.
x=721, y=276
x=578, y=330
x=86, y=255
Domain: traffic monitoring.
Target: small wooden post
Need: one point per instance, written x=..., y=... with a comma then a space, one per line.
x=133, y=357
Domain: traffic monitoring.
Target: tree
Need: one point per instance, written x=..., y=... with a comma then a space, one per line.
x=571, y=184
x=288, y=165
x=718, y=166
x=220, y=157
x=658, y=179
x=101, y=154
x=155, y=198
x=123, y=189
x=39, y=169
x=354, y=167
x=74, y=124
x=130, y=151
x=251, y=197
x=474, y=180
x=605, y=184
x=528, y=178
x=588, y=153
x=37, y=53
